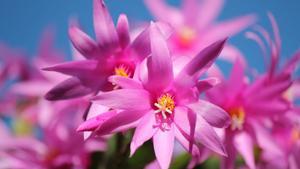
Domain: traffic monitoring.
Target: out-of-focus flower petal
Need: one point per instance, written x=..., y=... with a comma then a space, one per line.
x=206, y=84
x=125, y=83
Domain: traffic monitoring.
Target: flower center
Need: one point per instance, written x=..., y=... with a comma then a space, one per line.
x=122, y=71
x=237, y=118
x=186, y=36
x=165, y=105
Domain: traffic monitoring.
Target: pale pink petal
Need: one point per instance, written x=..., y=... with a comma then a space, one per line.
x=244, y=145
x=160, y=70
x=228, y=28
x=207, y=12
x=144, y=131
x=164, y=12
x=125, y=83
x=163, y=142
x=206, y=135
x=213, y=114
x=129, y=99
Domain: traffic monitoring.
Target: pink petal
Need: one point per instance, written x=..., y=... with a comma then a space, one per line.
x=236, y=78
x=213, y=114
x=207, y=12
x=163, y=142
x=228, y=28
x=128, y=99
x=229, y=162
x=164, y=12
x=82, y=42
x=104, y=27
x=200, y=62
x=244, y=145
x=160, y=70
x=75, y=68
x=125, y=83
x=144, y=131
x=203, y=85
x=123, y=31
x=94, y=122
x=67, y=89
x=207, y=136
x=120, y=122
x=186, y=143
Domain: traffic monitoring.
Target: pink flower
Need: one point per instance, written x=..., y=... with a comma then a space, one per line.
x=250, y=105
x=162, y=105
x=195, y=25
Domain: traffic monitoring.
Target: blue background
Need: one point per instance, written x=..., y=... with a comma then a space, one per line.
x=23, y=21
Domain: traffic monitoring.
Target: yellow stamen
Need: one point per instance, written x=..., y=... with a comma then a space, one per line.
x=122, y=71
x=237, y=118
x=187, y=36
x=165, y=104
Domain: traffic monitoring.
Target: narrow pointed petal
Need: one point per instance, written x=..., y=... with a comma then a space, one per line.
x=104, y=27
x=75, y=68
x=213, y=114
x=128, y=99
x=94, y=122
x=206, y=84
x=123, y=31
x=236, y=78
x=163, y=142
x=144, y=131
x=82, y=42
x=244, y=145
x=125, y=83
x=122, y=121
x=70, y=88
x=160, y=70
x=199, y=63
x=229, y=162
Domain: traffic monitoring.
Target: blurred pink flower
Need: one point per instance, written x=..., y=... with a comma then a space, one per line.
x=195, y=24
x=163, y=105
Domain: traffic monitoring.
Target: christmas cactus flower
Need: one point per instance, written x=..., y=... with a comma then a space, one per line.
x=164, y=105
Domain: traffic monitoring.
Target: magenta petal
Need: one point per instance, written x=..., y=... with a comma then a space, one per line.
x=203, y=85
x=67, y=89
x=125, y=83
x=186, y=143
x=128, y=99
x=123, y=31
x=82, y=42
x=213, y=114
x=200, y=63
x=95, y=122
x=144, y=131
x=163, y=142
x=160, y=70
x=207, y=136
x=244, y=145
x=75, y=68
x=120, y=122
x=104, y=27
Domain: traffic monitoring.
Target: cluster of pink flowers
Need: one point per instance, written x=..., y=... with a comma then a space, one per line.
x=157, y=84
